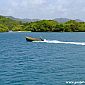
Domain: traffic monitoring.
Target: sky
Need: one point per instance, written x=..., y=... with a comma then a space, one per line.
x=43, y=9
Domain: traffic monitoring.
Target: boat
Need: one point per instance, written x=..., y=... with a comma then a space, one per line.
x=10, y=31
x=30, y=39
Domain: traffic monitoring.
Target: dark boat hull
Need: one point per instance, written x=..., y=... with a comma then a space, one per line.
x=30, y=39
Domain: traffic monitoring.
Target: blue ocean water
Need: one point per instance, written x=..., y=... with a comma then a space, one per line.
x=60, y=58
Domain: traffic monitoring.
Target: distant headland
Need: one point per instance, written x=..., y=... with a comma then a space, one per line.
x=9, y=24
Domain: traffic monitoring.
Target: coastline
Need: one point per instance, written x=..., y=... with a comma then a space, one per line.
x=21, y=31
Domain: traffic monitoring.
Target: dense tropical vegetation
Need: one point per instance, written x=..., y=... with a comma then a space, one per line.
x=7, y=24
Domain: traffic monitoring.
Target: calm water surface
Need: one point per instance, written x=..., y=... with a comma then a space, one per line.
x=42, y=63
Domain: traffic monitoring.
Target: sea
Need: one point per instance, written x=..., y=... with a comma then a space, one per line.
x=58, y=60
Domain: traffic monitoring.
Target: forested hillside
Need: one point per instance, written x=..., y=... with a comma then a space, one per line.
x=7, y=24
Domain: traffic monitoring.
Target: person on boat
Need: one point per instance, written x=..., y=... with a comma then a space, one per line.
x=41, y=39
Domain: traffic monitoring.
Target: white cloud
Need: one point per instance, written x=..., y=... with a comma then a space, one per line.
x=43, y=8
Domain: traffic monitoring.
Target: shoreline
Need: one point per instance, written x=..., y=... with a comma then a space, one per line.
x=21, y=31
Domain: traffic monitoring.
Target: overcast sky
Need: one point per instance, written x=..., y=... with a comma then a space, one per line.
x=43, y=9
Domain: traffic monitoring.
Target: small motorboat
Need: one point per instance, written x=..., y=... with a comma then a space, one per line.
x=30, y=39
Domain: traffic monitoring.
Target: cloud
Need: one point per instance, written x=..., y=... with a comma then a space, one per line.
x=43, y=8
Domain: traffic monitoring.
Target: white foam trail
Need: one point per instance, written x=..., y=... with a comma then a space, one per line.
x=76, y=43
x=61, y=42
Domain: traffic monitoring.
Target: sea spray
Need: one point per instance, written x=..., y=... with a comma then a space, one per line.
x=61, y=42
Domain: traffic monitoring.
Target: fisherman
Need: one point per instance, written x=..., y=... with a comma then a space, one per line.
x=41, y=39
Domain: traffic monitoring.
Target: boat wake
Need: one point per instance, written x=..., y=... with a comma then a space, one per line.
x=61, y=42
